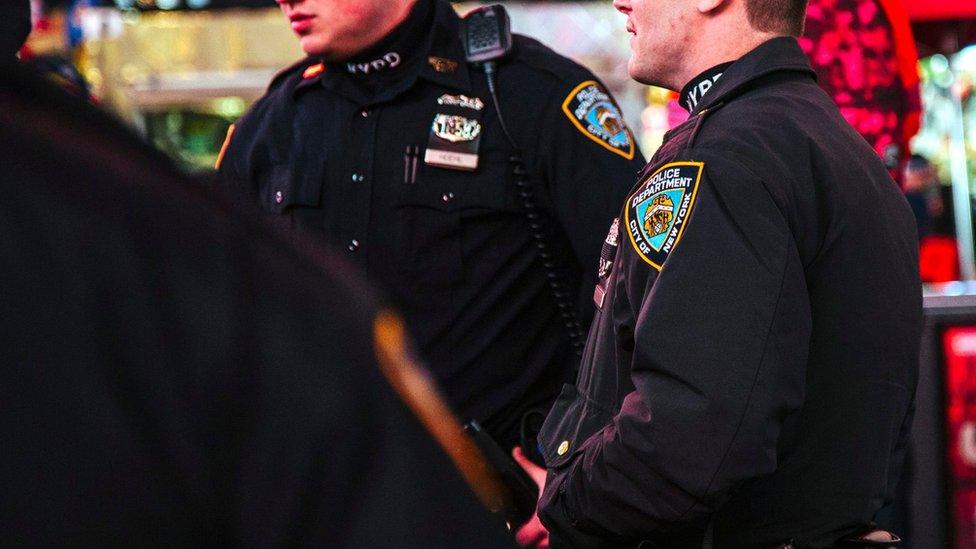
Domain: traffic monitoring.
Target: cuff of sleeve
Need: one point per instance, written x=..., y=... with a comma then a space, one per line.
x=558, y=515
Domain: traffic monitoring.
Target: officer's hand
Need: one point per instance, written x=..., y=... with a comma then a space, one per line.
x=532, y=533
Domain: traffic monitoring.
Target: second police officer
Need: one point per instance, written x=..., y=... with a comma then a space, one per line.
x=386, y=142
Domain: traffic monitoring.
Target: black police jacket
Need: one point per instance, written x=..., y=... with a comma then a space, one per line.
x=340, y=151
x=754, y=361
x=177, y=375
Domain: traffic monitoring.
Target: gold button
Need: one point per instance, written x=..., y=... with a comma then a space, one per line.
x=563, y=448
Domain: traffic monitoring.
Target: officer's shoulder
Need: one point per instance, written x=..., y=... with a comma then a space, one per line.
x=539, y=58
x=276, y=102
x=292, y=73
x=743, y=127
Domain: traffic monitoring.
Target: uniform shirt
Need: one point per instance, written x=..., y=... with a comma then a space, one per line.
x=755, y=357
x=339, y=150
x=177, y=375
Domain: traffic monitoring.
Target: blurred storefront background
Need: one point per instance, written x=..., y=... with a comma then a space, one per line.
x=182, y=70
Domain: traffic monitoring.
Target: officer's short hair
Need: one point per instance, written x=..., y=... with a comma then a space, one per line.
x=779, y=16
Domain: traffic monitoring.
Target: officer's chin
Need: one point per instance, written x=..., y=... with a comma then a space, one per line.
x=636, y=72
x=326, y=53
x=315, y=46
x=643, y=75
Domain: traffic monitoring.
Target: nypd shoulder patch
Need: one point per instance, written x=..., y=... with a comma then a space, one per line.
x=656, y=213
x=594, y=113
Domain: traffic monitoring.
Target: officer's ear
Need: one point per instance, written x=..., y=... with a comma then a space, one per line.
x=711, y=7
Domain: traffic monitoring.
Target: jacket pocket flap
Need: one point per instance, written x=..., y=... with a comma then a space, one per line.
x=282, y=188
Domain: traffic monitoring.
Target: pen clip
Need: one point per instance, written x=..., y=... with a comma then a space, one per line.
x=411, y=156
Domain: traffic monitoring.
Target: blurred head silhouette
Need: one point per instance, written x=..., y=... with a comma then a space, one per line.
x=15, y=25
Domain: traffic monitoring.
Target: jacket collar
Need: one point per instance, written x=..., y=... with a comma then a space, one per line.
x=446, y=64
x=778, y=54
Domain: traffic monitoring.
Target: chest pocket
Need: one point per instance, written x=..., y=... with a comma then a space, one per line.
x=444, y=211
x=282, y=187
x=574, y=418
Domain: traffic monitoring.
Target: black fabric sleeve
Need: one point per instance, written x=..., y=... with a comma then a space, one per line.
x=720, y=347
x=244, y=149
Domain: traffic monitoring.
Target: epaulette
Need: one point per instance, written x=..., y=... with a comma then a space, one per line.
x=299, y=66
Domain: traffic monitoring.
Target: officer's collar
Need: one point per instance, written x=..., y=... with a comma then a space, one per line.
x=782, y=53
x=439, y=58
x=446, y=64
x=694, y=91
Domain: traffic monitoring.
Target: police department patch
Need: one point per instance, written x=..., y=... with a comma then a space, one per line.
x=591, y=109
x=656, y=212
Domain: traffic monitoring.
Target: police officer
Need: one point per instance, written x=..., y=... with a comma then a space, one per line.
x=387, y=143
x=749, y=376
x=176, y=374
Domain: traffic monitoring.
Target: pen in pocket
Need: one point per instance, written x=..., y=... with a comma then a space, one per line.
x=411, y=155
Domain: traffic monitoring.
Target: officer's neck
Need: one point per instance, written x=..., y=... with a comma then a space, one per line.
x=373, y=33
x=392, y=49
x=389, y=66
x=719, y=42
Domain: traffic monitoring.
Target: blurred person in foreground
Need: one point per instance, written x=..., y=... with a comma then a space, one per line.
x=176, y=374
x=386, y=143
x=15, y=26
x=750, y=375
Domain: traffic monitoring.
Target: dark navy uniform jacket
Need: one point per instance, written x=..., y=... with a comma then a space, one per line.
x=329, y=151
x=754, y=361
x=176, y=374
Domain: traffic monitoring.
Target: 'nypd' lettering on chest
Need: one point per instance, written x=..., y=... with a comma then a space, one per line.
x=657, y=212
x=388, y=61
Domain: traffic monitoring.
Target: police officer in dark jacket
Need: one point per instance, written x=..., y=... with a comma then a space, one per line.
x=176, y=374
x=749, y=376
x=387, y=143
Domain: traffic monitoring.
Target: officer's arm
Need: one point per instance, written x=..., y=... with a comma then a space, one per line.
x=718, y=363
x=243, y=146
x=587, y=175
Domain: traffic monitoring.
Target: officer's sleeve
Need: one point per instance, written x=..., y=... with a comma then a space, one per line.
x=718, y=363
x=242, y=148
x=589, y=159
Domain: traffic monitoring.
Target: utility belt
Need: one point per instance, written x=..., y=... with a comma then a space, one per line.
x=873, y=539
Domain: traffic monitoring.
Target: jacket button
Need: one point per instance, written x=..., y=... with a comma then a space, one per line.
x=447, y=197
x=358, y=178
x=563, y=448
x=353, y=245
x=364, y=113
x=279, y=197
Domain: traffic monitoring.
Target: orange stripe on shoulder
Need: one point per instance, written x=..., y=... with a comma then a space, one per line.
x=314, y=70
x=223, y=148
